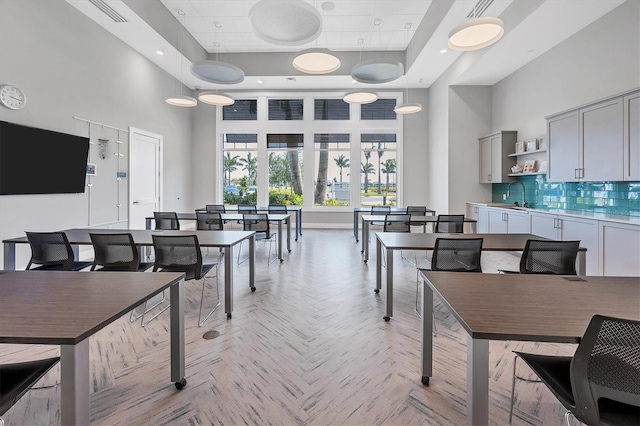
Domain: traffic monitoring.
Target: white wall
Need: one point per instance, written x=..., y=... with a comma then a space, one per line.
x=69, y=66
x=414, y=156
x=601, y=60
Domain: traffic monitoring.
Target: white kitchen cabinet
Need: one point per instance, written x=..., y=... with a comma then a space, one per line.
x=620, y=249
x=505, y=221
x=563, y=133
x=631, y=137
x=495, y=165
x=601, y=141
x=478, y=212
x=569, y=228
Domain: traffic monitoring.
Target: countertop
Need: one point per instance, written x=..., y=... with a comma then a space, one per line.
x=629, y=220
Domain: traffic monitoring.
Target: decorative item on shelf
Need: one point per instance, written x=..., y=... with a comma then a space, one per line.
x=516, y=169
x=530, y=166
x=542, y=143
x=543, y=167
x=532, y=145
x=520, y=147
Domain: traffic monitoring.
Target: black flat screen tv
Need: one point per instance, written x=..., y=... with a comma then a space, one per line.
x=39, y=161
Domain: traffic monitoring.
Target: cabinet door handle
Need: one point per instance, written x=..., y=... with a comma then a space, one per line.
x=489, y=178
x=559, y=223
x=575, y=174
x=555, y=226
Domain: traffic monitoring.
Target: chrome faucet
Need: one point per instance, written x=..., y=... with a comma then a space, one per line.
x=524, y=200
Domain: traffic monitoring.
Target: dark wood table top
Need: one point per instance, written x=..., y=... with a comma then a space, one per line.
x=426, y=241
x=64, y=308
x=530, y=307
x=228, y=216
x=414, y=218
x=142, y=237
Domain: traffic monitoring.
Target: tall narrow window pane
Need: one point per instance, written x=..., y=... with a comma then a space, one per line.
x=285, y=169
x=382, y=109
x=330, y=109
x=241, y=110
x=378, y=169
x=285, y=109
x=240, y=166
x=332, y=169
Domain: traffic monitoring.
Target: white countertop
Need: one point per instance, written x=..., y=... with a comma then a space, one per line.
x=629, y=220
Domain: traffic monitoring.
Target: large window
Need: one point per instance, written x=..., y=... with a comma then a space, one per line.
x=240, y=166
x=350, y=153
x=332, y=169
x=378, y=169
x=285, y=168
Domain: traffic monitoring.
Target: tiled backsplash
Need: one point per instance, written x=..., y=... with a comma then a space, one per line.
x=620, y=198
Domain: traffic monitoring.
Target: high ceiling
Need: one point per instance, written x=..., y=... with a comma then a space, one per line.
x=414, y=32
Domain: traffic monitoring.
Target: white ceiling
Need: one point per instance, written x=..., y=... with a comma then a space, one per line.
x=531, y=28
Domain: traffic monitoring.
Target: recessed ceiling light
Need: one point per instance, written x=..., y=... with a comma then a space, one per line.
x=217, y=24
x=377, y=22
x=407, y=26
x=216, y=44
x=443, y=50
x=259, y=81
x=328, y=5
x=160, y=52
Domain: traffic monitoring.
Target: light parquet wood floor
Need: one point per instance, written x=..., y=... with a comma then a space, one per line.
x=309, y=347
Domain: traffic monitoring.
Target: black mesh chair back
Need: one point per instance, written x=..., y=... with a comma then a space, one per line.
x=457, y=255
x=450, y=223
x=379, y=211
x=52, y=251
x=247, y=208
x=209, y=221
x=259, y=223
x=277, y=209
x=397, y=222
x=417, y=210
x=18, y=378
x=116, y=252
x=166, y=220
x=605, y=372
x=549, y=257
x=178, y=253
x=215, y=208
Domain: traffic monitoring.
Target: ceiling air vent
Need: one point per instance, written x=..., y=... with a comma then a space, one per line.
x=479, y=8
x=108, y=10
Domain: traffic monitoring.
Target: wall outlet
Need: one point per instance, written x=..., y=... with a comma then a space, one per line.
x=504, y=197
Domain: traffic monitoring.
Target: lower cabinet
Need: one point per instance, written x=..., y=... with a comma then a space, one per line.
x=479, y=213
x=504, y=221
x=620, y=249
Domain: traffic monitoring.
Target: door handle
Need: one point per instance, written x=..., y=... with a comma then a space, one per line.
x=136, y=202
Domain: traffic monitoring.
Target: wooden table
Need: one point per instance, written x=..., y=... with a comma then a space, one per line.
x=528, y=307
x=279, y=218
x=66, y=308
x=359, y=210
x=297, y=211
x=142, y=238
x=367, y=219
x=407, y=241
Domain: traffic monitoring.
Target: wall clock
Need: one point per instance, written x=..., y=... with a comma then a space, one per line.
x=12, y=97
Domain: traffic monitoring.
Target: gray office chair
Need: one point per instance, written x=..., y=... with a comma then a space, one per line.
x=418, y=211
x=181, y=253
x=548, y=257
x=277, y=209
x=52, y=251
x=449, y=223
x=17, y=379
x=166, y=220
x=600, y=384
x=259, y=223
x=399, y=222
x=216, y=208
x=454, y=255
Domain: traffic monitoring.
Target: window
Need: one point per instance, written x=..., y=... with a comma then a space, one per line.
x=331, y=169
x=382, y=109
x=239, y=163
x=378, y=169
x=285, y=168
x=330, y=109
x=241, y=110
x=285, y=109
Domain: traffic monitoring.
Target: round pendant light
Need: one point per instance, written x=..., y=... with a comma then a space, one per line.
x=316, y=61
x=182, y=101
x=376, y=71
x=476, y=33
x=360, y=97
x=408, y=108
x=215, y=98
x=217, y=72
x=285, y=22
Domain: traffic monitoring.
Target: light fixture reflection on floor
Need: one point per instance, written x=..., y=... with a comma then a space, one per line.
x=360, y=97
x=215, y=98
x=316, y=61
x=476, y=33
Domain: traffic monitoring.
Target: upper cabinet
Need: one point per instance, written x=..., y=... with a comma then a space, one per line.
x=631, y=137
x=495, y=165
x=597, y=142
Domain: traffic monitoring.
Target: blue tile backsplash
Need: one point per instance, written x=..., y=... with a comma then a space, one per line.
x=619, y=198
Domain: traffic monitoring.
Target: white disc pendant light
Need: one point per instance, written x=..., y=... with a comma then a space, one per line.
x=316, y=61
x=476, y=33
x=215, y=98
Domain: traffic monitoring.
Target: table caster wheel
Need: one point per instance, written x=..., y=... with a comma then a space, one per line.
x=253, y=289
x=425, y=380
x=289, y=250
x=228, y=316
x=361, y=251
x=387, y=319
x=365, y=261
x=377, y=291
x=181, y=384
x=281, y=260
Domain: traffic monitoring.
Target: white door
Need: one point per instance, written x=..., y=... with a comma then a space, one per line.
x=145, y=173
